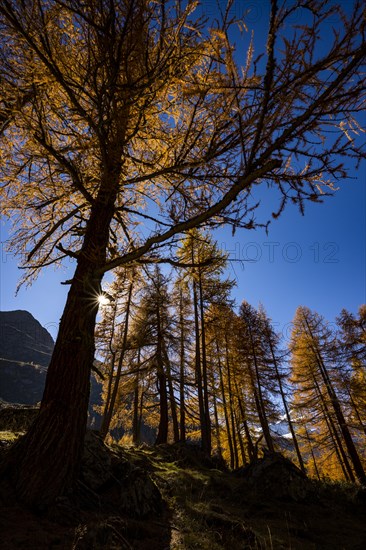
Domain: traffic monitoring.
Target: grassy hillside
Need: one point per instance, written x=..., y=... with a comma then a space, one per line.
x=171, y=497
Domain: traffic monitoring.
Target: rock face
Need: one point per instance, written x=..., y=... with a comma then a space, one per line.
x=277, y=477
x=25, y=352
x=117, y=483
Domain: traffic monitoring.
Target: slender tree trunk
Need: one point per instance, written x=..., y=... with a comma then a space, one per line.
x=351, y=448
x=348, y=474
x=261, y=414
x=110, y=385
x=112, y=352
x=198, y=371
x=240, y=440
x=109, y=413
x=217, y=424
x=207, y=446
x=135, y=418
x=231, y=406
x=311, y=452
x=224, y=403
x=249, y=440
x=337, y=442
x=173, y=403
x=284, y=401
x=162, y=436
x=259, y=397
x=141, y=410
x=182, y=416
x=356, y=411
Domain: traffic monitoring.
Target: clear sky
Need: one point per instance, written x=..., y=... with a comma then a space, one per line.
x=318, y=260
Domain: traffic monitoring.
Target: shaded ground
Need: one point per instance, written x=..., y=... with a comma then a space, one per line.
x=171, y=498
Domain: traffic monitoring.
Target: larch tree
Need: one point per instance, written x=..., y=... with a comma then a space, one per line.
x=275, y=361
x=153, y=330
x=259, y=369
x=208, y=262
x=125, y=123
x=184, y=325
x=312, y=350
x=351, y=362
x=227, y=383
x=121, y=290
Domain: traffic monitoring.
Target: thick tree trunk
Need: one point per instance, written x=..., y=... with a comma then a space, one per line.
x=48, y=457
x=46, y=461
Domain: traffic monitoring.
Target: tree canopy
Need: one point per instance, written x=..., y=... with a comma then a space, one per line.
x=186, y=122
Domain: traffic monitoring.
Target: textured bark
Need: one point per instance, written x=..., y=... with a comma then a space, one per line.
x=46, y=461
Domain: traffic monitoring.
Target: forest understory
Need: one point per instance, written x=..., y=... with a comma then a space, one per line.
x=172, y=497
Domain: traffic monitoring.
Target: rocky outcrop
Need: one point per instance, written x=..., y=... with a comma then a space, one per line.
x=275, y=476
x=114, y=482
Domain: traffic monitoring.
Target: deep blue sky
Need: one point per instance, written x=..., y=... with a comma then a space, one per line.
x=318, y=260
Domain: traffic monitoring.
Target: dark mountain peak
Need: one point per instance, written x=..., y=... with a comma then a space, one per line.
x=21, y=324
x=25, y=353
